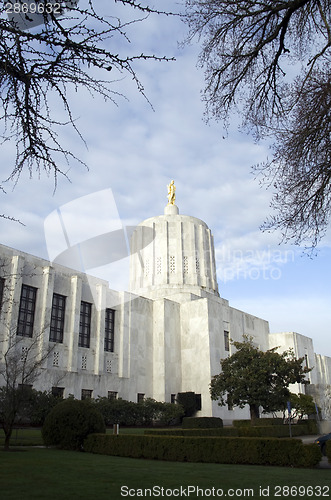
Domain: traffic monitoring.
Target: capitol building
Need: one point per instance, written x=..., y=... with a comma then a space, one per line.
x=166, y=334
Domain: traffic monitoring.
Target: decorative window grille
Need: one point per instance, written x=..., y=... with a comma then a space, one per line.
x=158, y=265
x=84, y=362
x=24, y=353
x=172, y=264
x=26, y=311
x=109, y=330
x=57, y=318
x=147, y=267
x=185, y=265
x=85, y=324
x=197, y=265
x=108, y=366
x=56, y=358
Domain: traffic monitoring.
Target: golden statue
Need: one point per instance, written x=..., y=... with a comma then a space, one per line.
x=171, y=193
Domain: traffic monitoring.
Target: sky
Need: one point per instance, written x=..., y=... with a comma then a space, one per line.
x=134, y=148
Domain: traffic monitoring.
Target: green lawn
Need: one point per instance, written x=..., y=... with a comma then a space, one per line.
x=32, y=437
x=34, y=473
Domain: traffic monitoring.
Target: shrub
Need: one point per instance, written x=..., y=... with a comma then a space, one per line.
x=259, y=451
x=70, y=422
x=149, y=411
x=169, y=413
x=311, y=455
x=118, y=411
x=202, y=422
x=41, y=404
x=241, y=423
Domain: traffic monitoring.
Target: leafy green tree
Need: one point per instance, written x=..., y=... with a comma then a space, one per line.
x=269, y=61
x=20, y=366
x=302, y=405
x=257, y=378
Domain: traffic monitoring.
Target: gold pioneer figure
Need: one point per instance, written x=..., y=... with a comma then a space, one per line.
x=171, y=193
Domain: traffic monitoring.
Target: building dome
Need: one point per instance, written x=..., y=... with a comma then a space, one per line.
x=172, y=254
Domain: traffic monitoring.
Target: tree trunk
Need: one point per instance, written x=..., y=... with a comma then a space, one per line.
x=254, y=411
x=7, y=438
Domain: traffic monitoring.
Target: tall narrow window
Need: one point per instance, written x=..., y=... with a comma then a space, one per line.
x=85, y=324
x=109, y=330
x=2, y=286
x=306, y=360
x=26, y=311
x=140, y=397
x=226, y=340
x=57, y=318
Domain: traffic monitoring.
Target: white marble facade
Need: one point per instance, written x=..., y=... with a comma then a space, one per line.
x=167, y=334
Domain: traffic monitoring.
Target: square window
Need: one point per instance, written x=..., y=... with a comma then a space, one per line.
x=112, y=395
x=58, y=392
x=87, y=393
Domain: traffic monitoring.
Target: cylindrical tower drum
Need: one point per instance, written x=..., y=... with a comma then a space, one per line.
x=170, y=254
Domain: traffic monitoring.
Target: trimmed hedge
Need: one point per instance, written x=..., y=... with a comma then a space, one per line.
x=277, y=431
x=273, y=431
x=202, y=423
x=309, y=424
x=260, y=422
x=226, y=450
x=217, y=432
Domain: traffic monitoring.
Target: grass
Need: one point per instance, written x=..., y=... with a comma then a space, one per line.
x=33, y=473
x=23, y=437
x=32, y=437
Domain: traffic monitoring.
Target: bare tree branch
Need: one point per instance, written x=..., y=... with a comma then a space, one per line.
x=74, y=51
x=269, y=60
